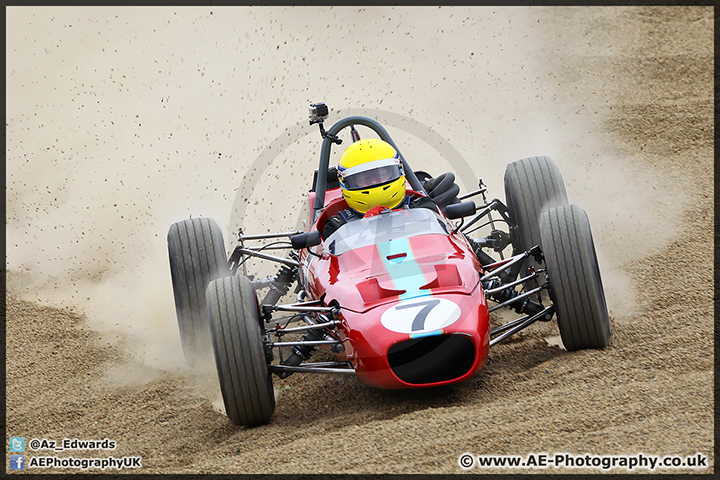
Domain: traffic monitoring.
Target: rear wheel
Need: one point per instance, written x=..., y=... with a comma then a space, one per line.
x=197, y=256
x=575, y=284
x=237, y=340
x=532, y=185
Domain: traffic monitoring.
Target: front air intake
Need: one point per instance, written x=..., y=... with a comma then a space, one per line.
x=437, y=358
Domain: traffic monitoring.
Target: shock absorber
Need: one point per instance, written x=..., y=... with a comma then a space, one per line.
x=302, y=352
x=483, y=257
x=280, y=284
x=524, y=305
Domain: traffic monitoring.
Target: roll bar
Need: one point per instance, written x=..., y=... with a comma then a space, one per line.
x=325, y=157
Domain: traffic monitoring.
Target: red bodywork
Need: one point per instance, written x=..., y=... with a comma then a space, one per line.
x=426, y=280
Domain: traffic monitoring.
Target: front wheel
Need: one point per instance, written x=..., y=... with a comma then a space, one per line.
x=532, y=185
x=237, y=340
x=197, y=256
x=575, y=284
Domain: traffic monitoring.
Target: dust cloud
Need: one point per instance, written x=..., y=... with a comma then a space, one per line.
x=124, y=120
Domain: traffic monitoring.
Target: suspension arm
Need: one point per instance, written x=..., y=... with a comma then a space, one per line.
x=472, y=194
x=520, y=324
x=305, y=328
x=509, y=262
x=263, y=236
x=492, y=291
x=286, y=370
x=270, y=247
x=309, y=343
x=295, y=307
x=488, y=208
x=239, y=250
x=515, y=299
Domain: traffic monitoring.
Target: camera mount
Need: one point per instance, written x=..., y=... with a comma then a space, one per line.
x=318, y=113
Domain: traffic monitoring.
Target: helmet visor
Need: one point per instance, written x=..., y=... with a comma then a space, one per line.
x=372, y=178
x=371, y=174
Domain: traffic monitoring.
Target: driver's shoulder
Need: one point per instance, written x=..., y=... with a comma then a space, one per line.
x=338, y=220
x=347, y=214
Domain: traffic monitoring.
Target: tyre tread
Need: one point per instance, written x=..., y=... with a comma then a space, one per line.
x=576, y=285
x=240, y=359
x=532, y=185
x=197, y=255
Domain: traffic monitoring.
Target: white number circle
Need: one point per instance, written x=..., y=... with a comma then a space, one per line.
x=420, y=315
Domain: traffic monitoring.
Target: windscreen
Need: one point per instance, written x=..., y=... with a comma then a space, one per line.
x=382, y=228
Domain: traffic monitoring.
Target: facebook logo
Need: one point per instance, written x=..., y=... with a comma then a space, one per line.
x=17, y=462
x=17, y=444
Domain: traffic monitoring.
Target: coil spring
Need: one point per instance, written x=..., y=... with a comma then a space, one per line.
x=525, y=305
x=281, y=282
x=502, y=295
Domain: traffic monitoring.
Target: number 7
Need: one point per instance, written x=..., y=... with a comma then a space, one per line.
x=419, y=322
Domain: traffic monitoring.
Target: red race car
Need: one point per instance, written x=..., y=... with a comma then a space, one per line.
x=399, y=298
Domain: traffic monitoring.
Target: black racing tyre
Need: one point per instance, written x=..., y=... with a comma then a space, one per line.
x=532, y=185
x=197, y=256
x=237, y=340
x=575, y=285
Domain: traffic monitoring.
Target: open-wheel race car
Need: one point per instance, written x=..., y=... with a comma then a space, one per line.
x=401, y=297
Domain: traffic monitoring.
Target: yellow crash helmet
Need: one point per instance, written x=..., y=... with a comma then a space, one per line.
x=371, y=174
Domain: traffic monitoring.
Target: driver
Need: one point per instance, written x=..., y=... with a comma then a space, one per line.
x=372, y=181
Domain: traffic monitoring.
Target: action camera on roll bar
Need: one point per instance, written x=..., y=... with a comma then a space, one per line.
x=318, y=112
